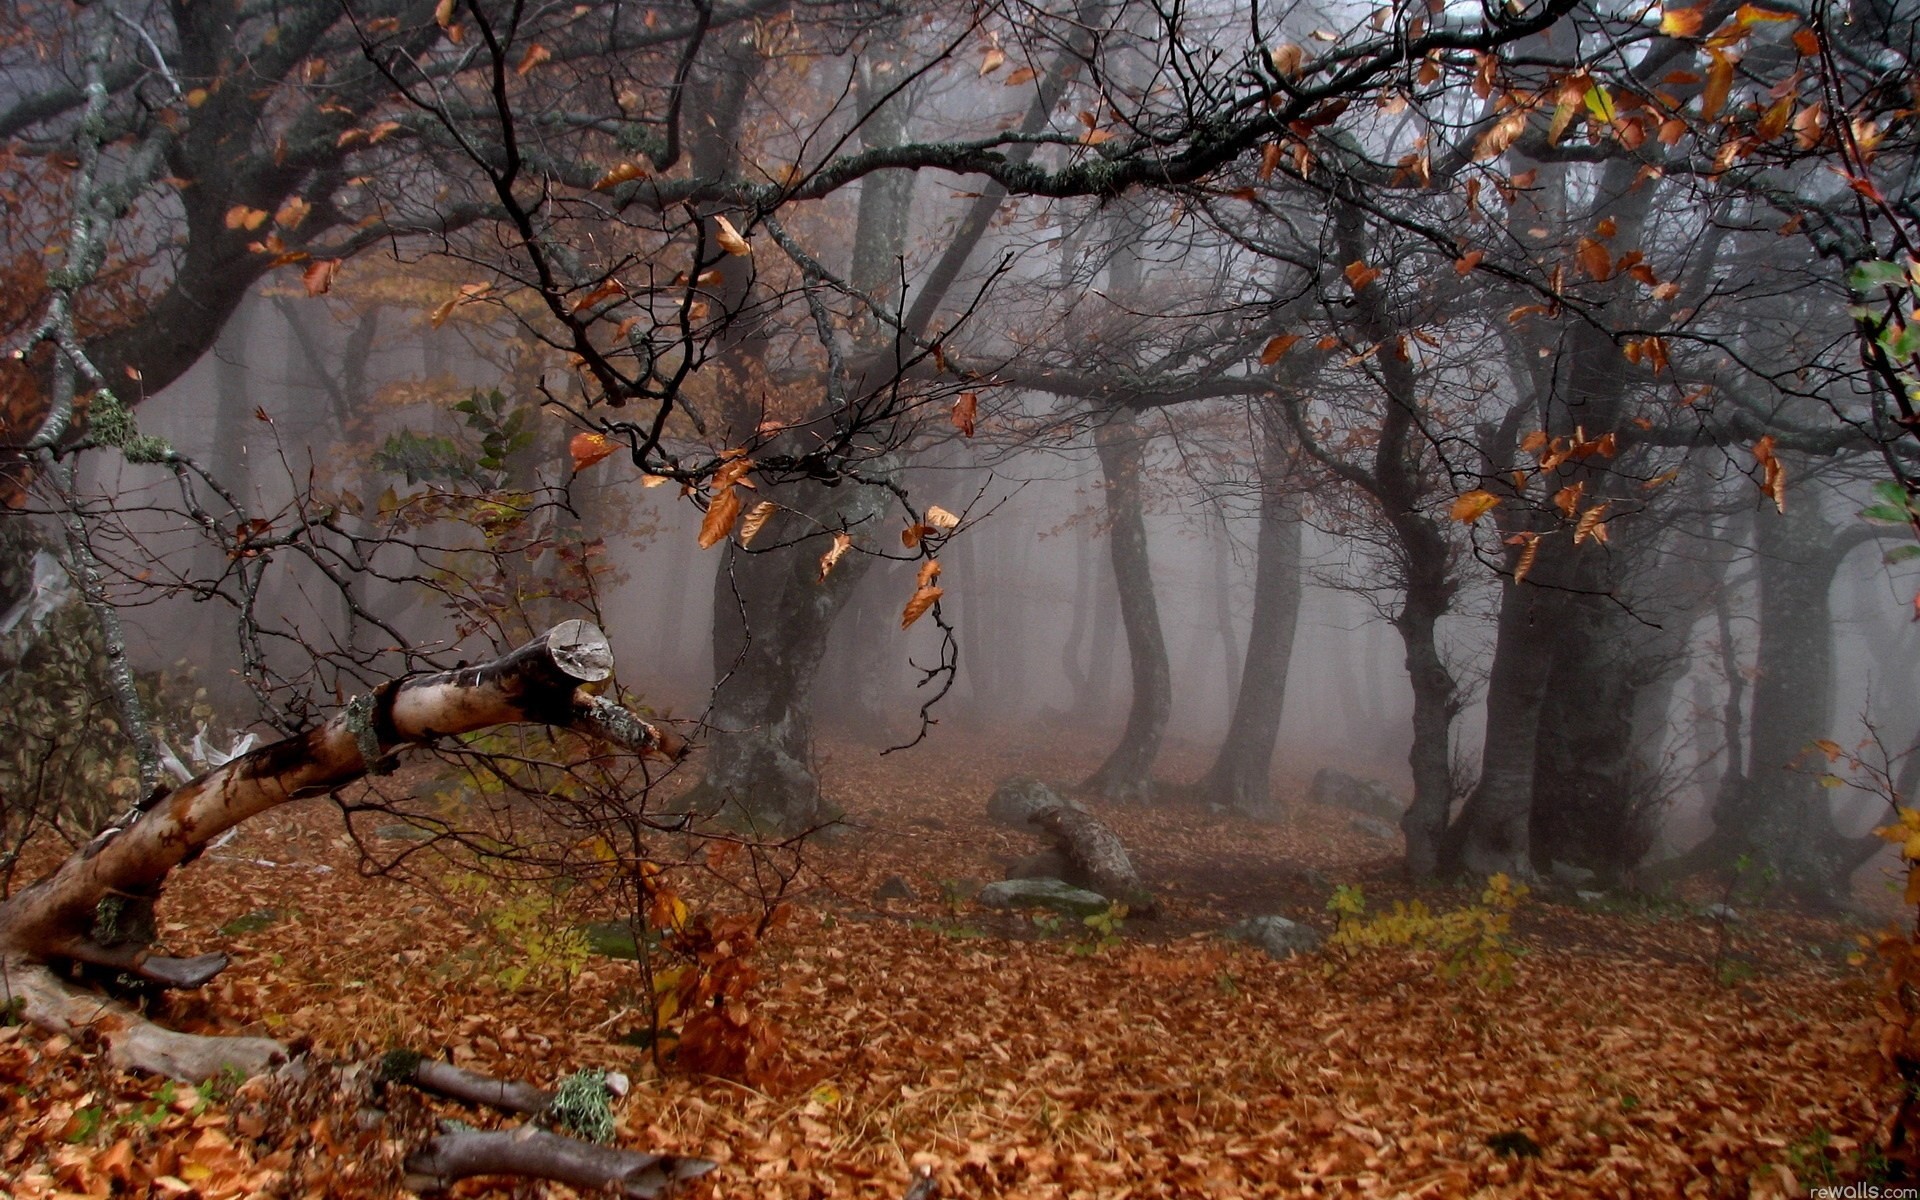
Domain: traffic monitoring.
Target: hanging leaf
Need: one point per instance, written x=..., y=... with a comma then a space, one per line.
x=911, y=536
x=589, y=448
x=318, y=277
x=929, y=571
x=1563, y=114
x=607, y=290
x=1359, y=274
x=1269, y=160
x=917, y=607
x=1594, y=259
x=1286, y=59
x=940, y=518
x=1713, y=97
x=755, y=519
x=1773, y=473
x=1500, y=135
x=443, y=13
x=730, y=239
x=964, y=410
x=1471, y=506
x=1567, y=499
x=1599, y=102
x=1527, y=556
x=291, y=213
x=992, y=61
x=1023, y=75
x=1275, y=347
x=1592, y=524
x=1465, y=264
x=619, y=174
x=535, y=55
x=842, y=542
x=722, y=511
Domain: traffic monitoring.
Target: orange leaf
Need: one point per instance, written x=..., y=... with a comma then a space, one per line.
x=1773, y=473
x=1269, y=159
x=319, y=275
x=929, y=571
x=1275, y=347
x=922, y=600
x=619, y=174
x=1471, y=506
x=1682, y=22
x=911, y=535
x=291, y=213
x=993, y=60
x=940, y=518
x=964, y=410
x=1527, y=556
x=1023, y=75
x=606, y=291
x=443, y=13
x=535, y=55
x=1592, y=525
x=722, y=511
x=1286, y=60
x=1594, y=259
x=589, y=448
x=1359, y=274
x=242, y=217
x=1465, y=264
x=1567, y=499
x=1713, y=97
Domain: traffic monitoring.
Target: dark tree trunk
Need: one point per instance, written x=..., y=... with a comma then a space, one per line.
x=1241, y=778
x=1584, y=794
x=772, y=615
x=1127, y=774
x=1434, y=706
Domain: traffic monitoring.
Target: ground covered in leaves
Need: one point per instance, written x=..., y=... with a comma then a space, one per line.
x=1642, y=1049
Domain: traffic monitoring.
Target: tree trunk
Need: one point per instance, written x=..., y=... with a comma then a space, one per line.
x=772, y=614
x=1241, y=778
x=68, y=915
x=1127, y=774
x=1584, y=797
x=1492, y=835
x=1434, y=706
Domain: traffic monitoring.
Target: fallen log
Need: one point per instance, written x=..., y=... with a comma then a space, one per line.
x=57, y=918
x=1096, y=855
x=538, y=1154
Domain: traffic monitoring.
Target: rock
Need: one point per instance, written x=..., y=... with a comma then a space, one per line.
x=1719, y=912
x=1570, y=875
x=402, y=832
x=1056, y=895
x=1367, y=797
x=1590, y=897
x=1373, y=827
x=1278, y=936
x=1016, y=800
x=894, y=888
x=1048, y=864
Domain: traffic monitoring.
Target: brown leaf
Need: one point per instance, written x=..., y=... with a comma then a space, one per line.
x=1359, y=274
x=1275, y=347
x=993, y=60
x=1773, y=477
x=1682, y=22
x=1567, y=499
x=291, y=213
x=1465, y=264
x=940, y=518
x=1527, y=557
x=1023, y=75
x=756, y=518
x=929, y=571
x=964, y=410
x=1286, y=59
x=842, y=542
x=535, y=55
x=1471, y=506
x=722, y=511
x=589, y=448
x=1594, y=259
x=1713, y=97
x=319, y=274
x=1502, y=134
x=730, y=239
x=618, y=174
x=443, y=13
x=242, y=217
x=917, y=607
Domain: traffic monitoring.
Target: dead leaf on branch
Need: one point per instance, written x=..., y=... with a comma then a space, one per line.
x=1471, y=506
x=722, y=511
x=842, y=542
x=756, y=519
x=589, y=448
x=730, y=239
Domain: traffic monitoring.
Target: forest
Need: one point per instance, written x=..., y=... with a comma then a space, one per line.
x=830, y=598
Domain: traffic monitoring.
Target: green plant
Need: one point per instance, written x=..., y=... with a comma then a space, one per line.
x=583, y=1106
x=1471, y=941
x=1104, y=928
x=532, y=939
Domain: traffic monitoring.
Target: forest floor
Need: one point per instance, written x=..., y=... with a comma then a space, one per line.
x=1641, y=1049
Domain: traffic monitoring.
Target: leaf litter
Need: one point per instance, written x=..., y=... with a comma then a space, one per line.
x=1011, y=1059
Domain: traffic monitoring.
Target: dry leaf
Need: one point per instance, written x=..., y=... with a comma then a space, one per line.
x=940, y=518
x=1359, y=274
x=1023, y=75
x=535, y=55
x=722, y=511
x=1471, y=506
x=1592, y=525
x=755, y=519
x=964, y=410
x=619, y=174
x=730, y=239
x=922, y=600
x=318, y=277
x=993, y=60
x=842, y=542
x=589, y=448
x=1275, y=347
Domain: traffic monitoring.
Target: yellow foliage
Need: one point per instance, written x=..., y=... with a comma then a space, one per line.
x=1470, y=940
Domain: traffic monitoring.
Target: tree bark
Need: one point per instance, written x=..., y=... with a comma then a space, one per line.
x=1127, y=774
x=1241, y=777
x=1097, y=855
x=537, y=1154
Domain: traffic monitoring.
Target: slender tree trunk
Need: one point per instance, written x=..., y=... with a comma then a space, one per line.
x=1127, y=774
x=1241, y=778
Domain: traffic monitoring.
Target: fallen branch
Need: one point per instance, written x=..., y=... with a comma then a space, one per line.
x=468, y=1087
x=54, y=919
x=536, y=1154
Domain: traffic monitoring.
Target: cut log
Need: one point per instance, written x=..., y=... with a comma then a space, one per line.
x=53, y=918
x=537, y=1154
x=1097, y=856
